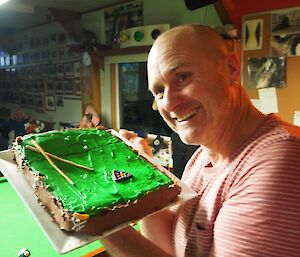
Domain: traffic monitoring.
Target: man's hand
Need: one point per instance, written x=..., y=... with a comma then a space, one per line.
x=138, y=142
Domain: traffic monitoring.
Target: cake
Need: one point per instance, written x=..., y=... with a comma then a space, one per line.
x=117, y=186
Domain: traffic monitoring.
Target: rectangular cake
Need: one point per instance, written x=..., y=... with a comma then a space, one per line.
x=118, y=185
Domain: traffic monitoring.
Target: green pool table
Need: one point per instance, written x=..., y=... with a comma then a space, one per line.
x=18, y=230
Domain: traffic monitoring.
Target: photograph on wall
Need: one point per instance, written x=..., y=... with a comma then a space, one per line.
x=50, y=87
x=285, y=38
x=68, y=69
x=59, y=70
x=77, y=69
x=59, y=89
x=266, y=72
x=68, y=86
x=50, y=103
x=77, y=86
x=59, y=101
x=39, y=103
x=252, y=34
x=30, y=102
x=132, y=12
x=23, y=101
x=52, y=70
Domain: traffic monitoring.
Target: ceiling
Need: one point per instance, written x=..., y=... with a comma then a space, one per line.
x=20, y=14
x=236, y=9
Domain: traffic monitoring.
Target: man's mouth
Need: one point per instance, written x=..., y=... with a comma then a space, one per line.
x=185, y=116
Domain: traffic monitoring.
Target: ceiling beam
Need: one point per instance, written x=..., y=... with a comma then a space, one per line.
x=70, y=21
x=222, y=12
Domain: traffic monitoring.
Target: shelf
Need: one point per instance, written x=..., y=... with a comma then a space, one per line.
x=125, y=51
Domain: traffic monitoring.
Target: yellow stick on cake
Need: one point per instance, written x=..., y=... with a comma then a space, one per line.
x=51, y=162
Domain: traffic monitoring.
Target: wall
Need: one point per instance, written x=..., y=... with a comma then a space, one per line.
x=155, y=12
x=287, y=97
x=71, y=109
x=158, y=12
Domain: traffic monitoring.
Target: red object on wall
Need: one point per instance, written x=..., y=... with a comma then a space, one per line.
x=236, y=9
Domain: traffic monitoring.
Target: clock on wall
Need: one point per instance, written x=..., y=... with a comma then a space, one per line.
x=86, y=59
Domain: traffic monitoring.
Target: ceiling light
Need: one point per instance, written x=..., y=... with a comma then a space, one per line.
x=16, y=7
x=3, y=1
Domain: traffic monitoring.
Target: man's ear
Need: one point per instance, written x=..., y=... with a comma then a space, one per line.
x=234, y=66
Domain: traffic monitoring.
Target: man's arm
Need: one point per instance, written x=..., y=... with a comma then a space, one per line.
x=130, y=243
x=158, y=229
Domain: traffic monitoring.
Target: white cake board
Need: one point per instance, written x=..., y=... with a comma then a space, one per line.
x=62, y=241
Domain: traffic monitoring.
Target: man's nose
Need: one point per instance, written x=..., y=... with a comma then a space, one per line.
x=171, y=99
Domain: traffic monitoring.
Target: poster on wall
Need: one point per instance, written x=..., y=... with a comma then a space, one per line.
x=266, y=72
x=285, y=39
x=252, y=34
x=132, y=13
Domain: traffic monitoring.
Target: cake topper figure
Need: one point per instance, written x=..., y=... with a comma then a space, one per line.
x=119, y=175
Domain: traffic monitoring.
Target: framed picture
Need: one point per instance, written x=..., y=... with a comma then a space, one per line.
x=16, y=98
x=50, y=87
x=59, y=89
x=266, y=72
x=252, y=34
x=59, y=101
x=69, y=69
x=68, y=86
x=50, y=103
x=53, y=54
x=39, y=103
x=120, y=23
x=51, y=70
x=30, y=102
x=23, y=101
x=40, y=86
x=77, y=86
x=61, y=53
x=59, y=70
x=77, y=69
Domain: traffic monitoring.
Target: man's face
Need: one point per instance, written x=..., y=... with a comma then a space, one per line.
x=191, y=90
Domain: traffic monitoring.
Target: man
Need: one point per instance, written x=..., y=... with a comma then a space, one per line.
x=246, y=172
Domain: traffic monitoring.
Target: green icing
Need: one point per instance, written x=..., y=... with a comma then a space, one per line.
x=95, y=190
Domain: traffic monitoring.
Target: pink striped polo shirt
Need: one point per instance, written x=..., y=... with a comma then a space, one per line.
x=248, y=207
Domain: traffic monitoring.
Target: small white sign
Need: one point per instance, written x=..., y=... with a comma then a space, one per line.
x=268, y=100
x=297, y=118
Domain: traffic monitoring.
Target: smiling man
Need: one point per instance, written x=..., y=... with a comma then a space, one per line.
x=246, y=172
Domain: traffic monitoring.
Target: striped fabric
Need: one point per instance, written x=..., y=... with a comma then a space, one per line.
x=249, y=206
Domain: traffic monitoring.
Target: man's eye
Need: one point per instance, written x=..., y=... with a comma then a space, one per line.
x=183, y=76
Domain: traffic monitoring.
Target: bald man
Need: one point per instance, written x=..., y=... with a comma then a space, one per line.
x=246, y=172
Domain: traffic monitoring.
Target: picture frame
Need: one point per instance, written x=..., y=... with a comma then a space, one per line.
x=59, y=70
x=30, y=102
x=253, y=34
x=68, y=87
x=41, y=86
x=50, y=87
x=68, y=69
x=77, y=86
x=77, y=69
x=59, y=100
x=59, y=87
x=23, y=101
x=121, y=22
x=50, y=103
x=39, y=103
